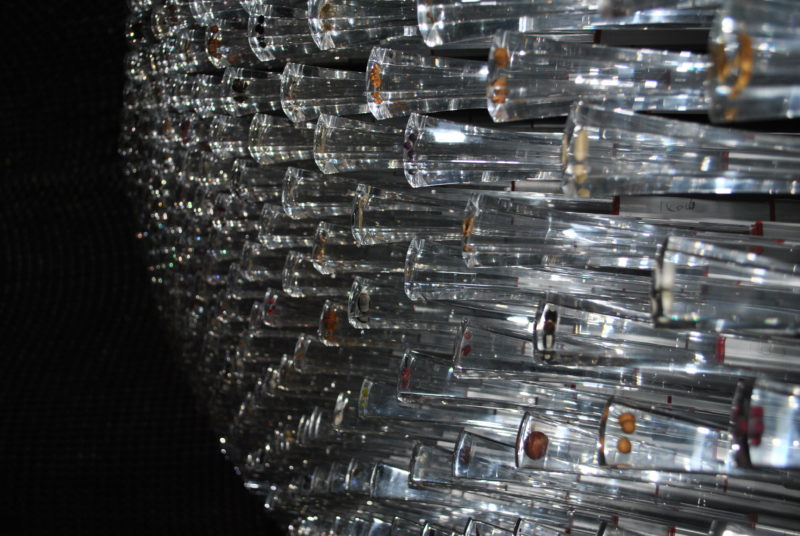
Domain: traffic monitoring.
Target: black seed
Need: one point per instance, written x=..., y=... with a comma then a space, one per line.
x=465, y=455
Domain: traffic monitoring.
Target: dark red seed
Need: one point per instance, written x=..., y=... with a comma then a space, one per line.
x=757, y=428
x=741, y=425
x=405, y=378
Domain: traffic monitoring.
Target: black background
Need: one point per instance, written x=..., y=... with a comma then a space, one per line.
x=98, y=428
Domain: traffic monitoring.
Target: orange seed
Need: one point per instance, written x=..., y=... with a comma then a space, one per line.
x=627, y=422
x=501, y=57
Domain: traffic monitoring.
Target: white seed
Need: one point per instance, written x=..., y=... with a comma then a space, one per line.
x=581, y=145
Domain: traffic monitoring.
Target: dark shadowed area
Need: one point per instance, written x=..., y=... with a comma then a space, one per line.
x=98, y=428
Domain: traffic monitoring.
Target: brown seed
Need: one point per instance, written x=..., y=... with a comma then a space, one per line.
x=213, y=48
x=376, y=97
x=330, y=322
x=721, y=65
x=536, y=445
x=467, y=225
x=627, y=422
x=624, y=445
x=375, y=76
x=501, y=57
x=744, y=62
